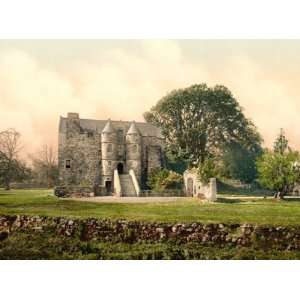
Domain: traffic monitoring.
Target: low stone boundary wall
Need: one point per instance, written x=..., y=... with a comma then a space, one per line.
x=79, y=191
x=264, y=237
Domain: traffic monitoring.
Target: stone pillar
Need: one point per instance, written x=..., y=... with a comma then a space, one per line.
x=212, y=196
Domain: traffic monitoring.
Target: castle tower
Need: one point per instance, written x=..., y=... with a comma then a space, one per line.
x=109, y=152
x=134, y=150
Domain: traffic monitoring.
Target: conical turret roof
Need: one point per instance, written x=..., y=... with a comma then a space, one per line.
x=133, y=129
x=108, y=127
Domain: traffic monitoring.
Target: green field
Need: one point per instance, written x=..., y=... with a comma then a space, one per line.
x=255, y=211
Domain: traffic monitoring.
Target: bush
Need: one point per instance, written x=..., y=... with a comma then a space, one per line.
x=163, y=179
x=207, y=170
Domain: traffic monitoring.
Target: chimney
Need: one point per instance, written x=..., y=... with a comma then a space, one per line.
x=73, y=115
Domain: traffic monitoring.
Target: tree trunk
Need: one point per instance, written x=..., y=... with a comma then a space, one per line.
x=279, y=195
x=7, y=185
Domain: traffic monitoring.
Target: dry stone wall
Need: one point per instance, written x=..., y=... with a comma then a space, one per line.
x=244, y=235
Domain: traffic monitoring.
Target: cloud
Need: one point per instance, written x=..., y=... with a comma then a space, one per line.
x=122, y=84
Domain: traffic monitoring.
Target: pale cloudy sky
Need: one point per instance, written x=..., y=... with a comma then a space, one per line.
x=41, y=80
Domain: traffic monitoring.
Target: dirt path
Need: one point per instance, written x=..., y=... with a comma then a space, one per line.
x=110, y=199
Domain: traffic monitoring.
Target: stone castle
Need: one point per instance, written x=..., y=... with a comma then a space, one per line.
x=104, y=157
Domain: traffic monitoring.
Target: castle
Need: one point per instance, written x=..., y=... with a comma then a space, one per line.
x=104, y=157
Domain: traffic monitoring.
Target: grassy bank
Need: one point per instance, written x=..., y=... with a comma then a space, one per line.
x=254, y=211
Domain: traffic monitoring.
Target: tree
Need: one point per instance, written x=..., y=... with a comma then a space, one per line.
x=279, y=172
x=279, y=169
x=240, y=163
x=281, y=143
x=10, y=165
x=45, y=166
x=198, y=121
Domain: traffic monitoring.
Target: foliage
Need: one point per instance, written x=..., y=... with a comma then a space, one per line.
x=281, y=143
x=279, y=172
x=197, y=121
x=239, y=163
x=11, y=167
x=45, y=168
x=163, y=179
x=48, y=245
x=172, y=163
x=12, y=170
x=207, y=170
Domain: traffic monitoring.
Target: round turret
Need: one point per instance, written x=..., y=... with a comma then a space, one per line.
x=134, y=150
x=108, y=134
x=133, y=135
x=108, y=148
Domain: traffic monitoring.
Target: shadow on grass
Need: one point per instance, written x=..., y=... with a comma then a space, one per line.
x=229, y=201
x=7, y=194
x=291, y=200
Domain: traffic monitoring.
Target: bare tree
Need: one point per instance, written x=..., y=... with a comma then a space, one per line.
x=45, y=166
x=10, y=165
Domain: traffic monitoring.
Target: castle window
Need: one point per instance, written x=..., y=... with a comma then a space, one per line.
x=109, y=148
x=120, y=135
x=134, y=148
x=90, y=134
x=68, y=163
x=120, y=149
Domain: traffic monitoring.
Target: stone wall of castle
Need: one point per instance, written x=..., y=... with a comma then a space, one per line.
x=82, y=151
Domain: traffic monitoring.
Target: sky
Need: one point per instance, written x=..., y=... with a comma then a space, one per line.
x=41, y=80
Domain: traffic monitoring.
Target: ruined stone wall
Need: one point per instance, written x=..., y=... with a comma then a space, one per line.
x=195, y=188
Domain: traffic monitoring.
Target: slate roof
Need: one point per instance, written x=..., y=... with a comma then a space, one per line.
x=132, y=129
x=145, y=129
x=108, y=127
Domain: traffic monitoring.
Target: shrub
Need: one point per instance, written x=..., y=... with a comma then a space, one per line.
x=207, y=170
x=163, y=179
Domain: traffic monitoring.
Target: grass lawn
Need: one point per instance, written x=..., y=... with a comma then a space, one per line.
x=255, y=211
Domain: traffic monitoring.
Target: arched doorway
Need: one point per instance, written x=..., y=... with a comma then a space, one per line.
x=120, y=168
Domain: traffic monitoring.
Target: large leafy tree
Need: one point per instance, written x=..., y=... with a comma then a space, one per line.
x=198, y=121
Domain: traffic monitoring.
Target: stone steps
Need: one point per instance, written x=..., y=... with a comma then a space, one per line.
x=127, y=186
